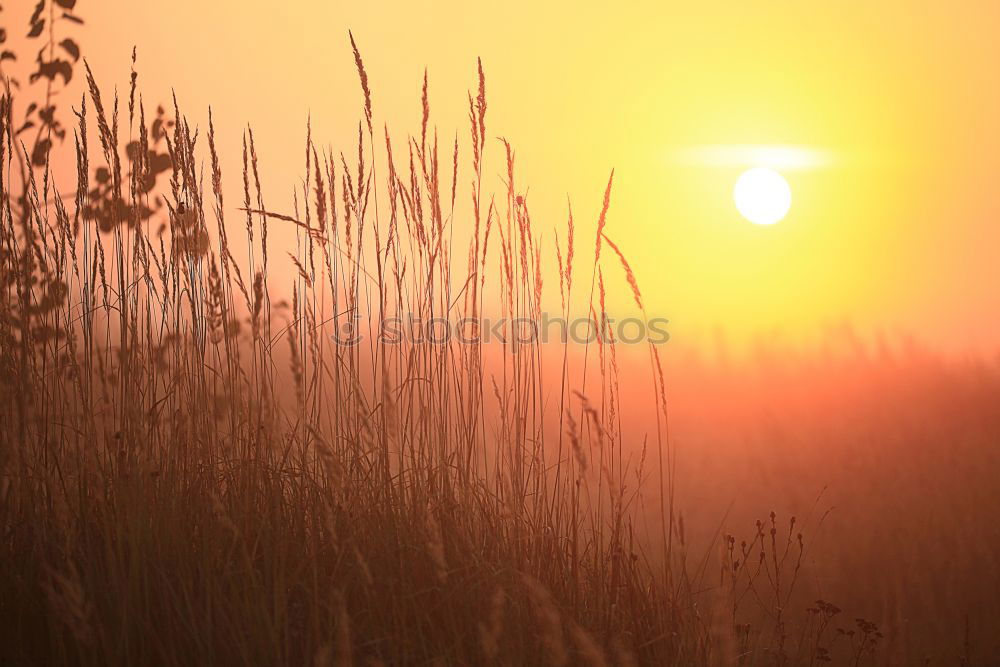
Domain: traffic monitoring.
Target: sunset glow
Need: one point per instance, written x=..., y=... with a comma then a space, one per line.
x=524, y=333
x=687, y=103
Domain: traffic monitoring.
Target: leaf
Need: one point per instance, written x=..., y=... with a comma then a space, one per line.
x=71, y=48
x=50, y=69
x=132, y=150
x=66, y=4
x=159, y=162
x=143, y=212
x=37, y=14
x=40, y=153
x=36, y=28
x=71, y=17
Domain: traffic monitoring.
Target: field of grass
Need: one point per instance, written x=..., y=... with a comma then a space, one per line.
x=891, y=449
x=193, y=471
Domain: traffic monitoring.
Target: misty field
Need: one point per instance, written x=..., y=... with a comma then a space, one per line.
x=195, y=469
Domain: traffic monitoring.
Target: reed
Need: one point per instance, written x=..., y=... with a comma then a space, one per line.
x=194, y=473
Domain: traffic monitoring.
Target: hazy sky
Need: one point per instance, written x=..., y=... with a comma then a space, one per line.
x=898, y=231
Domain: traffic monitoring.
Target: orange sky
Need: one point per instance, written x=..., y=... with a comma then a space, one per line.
x=898, y=233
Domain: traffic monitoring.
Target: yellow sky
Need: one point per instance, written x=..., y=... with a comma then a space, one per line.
x=898, y=233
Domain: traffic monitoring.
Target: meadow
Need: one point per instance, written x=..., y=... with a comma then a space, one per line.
x=195, y=471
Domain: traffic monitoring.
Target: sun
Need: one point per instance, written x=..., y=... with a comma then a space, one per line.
x=762, y=196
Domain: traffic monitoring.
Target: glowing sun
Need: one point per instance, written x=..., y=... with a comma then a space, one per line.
x=762, y=196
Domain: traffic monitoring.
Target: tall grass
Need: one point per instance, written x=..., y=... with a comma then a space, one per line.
x=196, y=472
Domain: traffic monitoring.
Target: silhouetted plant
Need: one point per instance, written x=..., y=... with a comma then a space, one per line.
x=55, y=61
x=107, y=205
x=56, y=58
